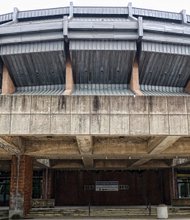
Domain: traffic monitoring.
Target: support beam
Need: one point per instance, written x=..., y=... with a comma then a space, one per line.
x=85, y=145
x=157, y=146
x=69, y=82
x=13, y=145
x=180, y=162
x=164, y=143
x=134, y=83
x=44, y=162
x=140, y=162
x=7, y=83
x=187, y=88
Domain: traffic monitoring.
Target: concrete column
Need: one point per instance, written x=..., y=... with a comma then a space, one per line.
x=187, y=88
x=134, y=82
x=47, y=188
x=69, y=82
x=7, y=83
x=21, y=186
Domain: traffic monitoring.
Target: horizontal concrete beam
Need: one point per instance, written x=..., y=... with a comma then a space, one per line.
x=93, y=115
x=103, y=148
x=13, y=145
x=157, y=146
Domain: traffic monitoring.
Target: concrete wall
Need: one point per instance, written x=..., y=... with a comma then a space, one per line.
x=96, y=115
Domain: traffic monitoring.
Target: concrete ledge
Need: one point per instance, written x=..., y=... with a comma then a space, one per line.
x=102, y=115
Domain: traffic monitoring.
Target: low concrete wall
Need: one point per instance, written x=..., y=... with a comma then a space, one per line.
x=96, y=115
x=181, y=202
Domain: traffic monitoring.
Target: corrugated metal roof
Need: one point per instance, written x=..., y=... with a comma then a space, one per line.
x=6, y=17
x=164, y=69
x=31, y=47
x=157, y=14
x=102, y=63
x=99, y=19
x=102, y=45
x=162, y=91
x=103, y=24
x=93, y=11
x=40, y=90
x=43, y=13
x=168, y=48
x=102, y=90
x=33, y=69
x=101, y=10
x=166, y=27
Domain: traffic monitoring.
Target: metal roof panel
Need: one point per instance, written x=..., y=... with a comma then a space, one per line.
x=102, y=90
x=33, y=69
x=31, y=47
x=148, y=90
x=164, y=69
x=94, y=65
x=40, y=90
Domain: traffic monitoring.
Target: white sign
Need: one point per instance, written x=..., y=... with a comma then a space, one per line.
x=107, y=186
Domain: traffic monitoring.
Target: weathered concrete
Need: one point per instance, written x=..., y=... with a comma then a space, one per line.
x=134, y=83
x=94, y=115
x=69, y=85
x=85, y=145
x=7, y=83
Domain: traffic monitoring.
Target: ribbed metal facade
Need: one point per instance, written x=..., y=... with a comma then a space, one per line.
x=167, y=48
x=102, y=44
x=53, y=12
x=105, y=62
x=110, y=11
x=40, y=90
x=33, y=69
x=157, y=14
x=110, y=45
x=96, y=11
x=102, y=90
x=6, y=17
x=31, y=48
x=148, y=90
x=164, y=69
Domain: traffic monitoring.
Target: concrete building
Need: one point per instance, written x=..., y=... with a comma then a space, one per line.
x=94, y=107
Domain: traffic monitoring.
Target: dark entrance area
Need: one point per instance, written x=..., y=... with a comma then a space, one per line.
x=134, y=187
x=4, y=188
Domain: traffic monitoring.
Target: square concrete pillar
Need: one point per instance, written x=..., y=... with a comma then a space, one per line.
x=21, y=186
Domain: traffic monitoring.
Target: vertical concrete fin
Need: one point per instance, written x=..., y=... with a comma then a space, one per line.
x=134, y=82
x=8, y=86
x=187, y=88
x=69, y=82
x=85, y=145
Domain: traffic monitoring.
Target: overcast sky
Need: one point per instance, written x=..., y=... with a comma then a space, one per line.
x=166, y=5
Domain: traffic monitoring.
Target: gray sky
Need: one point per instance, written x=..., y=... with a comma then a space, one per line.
x=166, y=5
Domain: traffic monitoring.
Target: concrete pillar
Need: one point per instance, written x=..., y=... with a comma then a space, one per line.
x=134, y=82
x=7, y=83
x=47, y=188
x=21, y=186
x=69, y=81
x=187, y=88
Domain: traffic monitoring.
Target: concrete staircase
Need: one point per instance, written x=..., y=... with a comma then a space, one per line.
x=93, y=212
x=100, y=211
